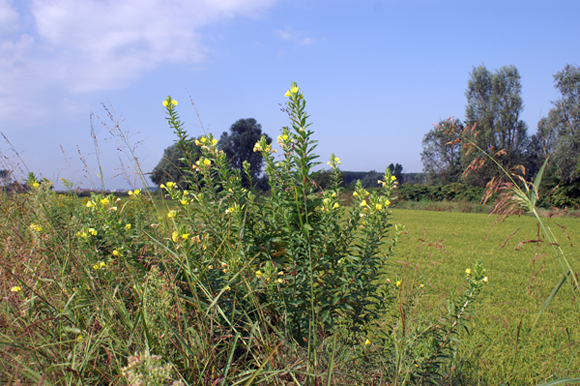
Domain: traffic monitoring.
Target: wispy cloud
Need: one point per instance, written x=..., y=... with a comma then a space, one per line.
x=71, y=46
x=298, y=38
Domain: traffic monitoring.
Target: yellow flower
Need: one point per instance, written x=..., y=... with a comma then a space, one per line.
x=15, y=289
x=83, y=235
x=393, y=178
x=96, y=266
x=468, y=271
x=35, y=227
x=421, y=286
x=175, y=237
x=90, y=204
x=294, y=89
x=197, y=142
x=363, y=203
x=36, y=184
x=80, y=339
x=387, y=202
x=115, y=252
x=170, y=184
x=93, y=231
x=333, y=194
x=214, y=141
x=287, y=94
x=206, y=162
x=355, y=194
x=379, y=206
x=165, y=103
x=203, y=139
x=398, y=283
x=227, y=288
x=128, y=227
x=485, y=279
x=104, y=201
x=336, y=205
x=174, y=102
x=130, y=192
x=102, y=264
x=259, y=273
x=185, y=236
x=171, y=214
x=280, y=281
x=367, y=342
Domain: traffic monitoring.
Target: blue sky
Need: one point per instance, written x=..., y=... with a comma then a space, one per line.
x=376, y=74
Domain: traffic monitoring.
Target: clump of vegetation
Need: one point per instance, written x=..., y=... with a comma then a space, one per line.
x=227, y=287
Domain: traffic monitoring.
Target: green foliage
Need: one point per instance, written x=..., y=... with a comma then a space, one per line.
x=173, y=166
x=238, y=145
x=563, y=123
x=494, y=105
x=370, y=180
x=441, y=157
x=449, y=192
x=396, y=170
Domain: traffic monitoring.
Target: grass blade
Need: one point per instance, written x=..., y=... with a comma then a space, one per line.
x=552, y=295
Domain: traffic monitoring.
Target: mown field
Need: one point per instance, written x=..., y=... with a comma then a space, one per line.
x=501, y=345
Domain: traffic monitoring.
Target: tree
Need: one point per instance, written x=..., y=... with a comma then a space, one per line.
x=397, y=171
x=172, y=167
x=541, y=144
x=440, y=156
x=5, y=177
x=371, y=179
x=494, y=104
x=564, y=120
x=239, y=143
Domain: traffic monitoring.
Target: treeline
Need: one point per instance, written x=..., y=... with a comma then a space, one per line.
x=493, y=119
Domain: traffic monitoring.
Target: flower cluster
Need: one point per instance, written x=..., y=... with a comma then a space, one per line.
x=35, y=227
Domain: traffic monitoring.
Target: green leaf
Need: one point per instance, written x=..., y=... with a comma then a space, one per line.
x=560, y=381
x=552, y=295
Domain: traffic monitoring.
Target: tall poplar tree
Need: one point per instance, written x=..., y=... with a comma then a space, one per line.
x=494, y=104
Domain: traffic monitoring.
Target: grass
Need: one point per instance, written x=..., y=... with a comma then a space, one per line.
x=501, y=345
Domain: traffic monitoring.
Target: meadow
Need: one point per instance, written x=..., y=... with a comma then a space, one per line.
x=501, y=344
x=222, y=285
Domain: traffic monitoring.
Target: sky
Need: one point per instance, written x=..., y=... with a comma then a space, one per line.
x=376, y=74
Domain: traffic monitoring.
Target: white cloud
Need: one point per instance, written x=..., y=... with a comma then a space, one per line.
x=91, y=45
x=290, y=36
x=9, y=18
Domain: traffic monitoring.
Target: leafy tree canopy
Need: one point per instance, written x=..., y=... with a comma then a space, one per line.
x=173, y=167
x=563, y=123
x=397, y=171
x=239, y=143
x=494, y=104
x=441, y=157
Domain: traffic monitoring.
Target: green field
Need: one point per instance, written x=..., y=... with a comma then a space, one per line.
x=516, y=290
